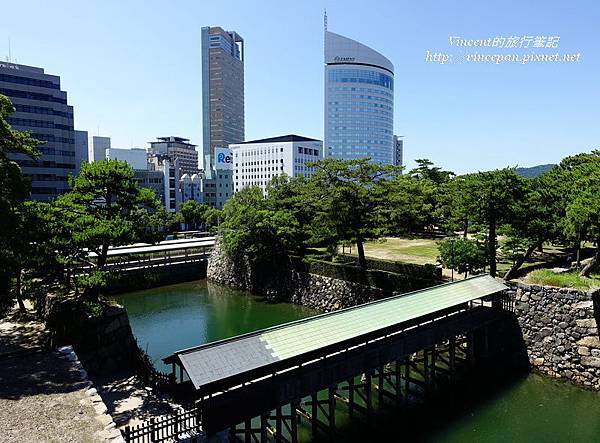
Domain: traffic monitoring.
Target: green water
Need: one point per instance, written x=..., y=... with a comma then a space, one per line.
x=489, y=409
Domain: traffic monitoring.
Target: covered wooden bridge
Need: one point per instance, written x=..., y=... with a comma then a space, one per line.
x=395, y=347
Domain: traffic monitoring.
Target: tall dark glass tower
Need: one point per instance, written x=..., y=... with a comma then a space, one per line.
x=42, y=109
x=222, y=90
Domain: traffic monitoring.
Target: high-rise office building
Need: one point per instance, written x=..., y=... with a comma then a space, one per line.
x=398, y=150
x=222, y=91
x=81, y=149
x=177, y=148
x=359, y=101
x=42, y=108
x=98, y=147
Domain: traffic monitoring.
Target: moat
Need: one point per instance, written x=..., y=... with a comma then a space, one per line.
x=513, y=408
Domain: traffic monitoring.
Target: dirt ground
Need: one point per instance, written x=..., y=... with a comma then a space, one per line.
x=42, y=397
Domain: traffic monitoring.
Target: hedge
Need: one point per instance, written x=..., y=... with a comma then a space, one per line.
x=388, y=281
x=426, y=271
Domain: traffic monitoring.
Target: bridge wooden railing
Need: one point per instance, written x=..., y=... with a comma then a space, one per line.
x=181, y=424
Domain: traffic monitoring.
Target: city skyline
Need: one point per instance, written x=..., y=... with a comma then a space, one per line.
x=464, y=117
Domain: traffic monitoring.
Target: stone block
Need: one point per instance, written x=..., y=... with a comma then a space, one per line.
x=583, y=350
x=104, y=419
x=586, y=323
x=588, y=304
x=591, y=361
x=590, y=341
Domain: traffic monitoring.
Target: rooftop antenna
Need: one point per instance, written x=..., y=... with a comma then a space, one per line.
x=9, y=51
x=325, y=19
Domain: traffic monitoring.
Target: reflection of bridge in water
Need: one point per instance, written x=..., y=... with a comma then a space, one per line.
x=260, y=385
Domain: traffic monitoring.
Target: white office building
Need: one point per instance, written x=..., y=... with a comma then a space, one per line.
x=256, y=162
x=135, y=157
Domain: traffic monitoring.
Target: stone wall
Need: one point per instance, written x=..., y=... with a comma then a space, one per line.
x=310, y=290
x=104, y=343
x=560, y=330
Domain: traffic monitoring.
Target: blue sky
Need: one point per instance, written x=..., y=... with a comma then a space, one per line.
x=132, y=69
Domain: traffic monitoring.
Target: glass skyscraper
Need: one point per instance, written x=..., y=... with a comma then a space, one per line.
x=42, y=108
x=359, y=101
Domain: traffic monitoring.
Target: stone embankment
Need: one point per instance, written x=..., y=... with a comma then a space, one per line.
x=560, y=331
x=310, y=290
x=104, y=343
x=559, y=326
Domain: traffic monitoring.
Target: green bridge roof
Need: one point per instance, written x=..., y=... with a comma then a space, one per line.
x=222, y=359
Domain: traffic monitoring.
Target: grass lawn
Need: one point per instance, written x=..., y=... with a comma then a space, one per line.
x=423, y=250
x=563, y=279
x=550, y=255
x=419, y=251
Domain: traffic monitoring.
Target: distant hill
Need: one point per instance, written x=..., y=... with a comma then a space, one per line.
x=534, y=171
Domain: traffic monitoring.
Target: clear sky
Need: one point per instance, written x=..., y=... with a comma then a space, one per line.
x=133, y=70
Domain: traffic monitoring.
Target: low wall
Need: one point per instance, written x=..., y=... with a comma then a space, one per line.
x=560, y=330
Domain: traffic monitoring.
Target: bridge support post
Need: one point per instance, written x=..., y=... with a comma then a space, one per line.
x=381, y=386
x=426, y=377
x=314, y=413
x=406, y=380
x=470, y=350
x=398, y=379
x=294, y=421
x=351, y=396
x=433, y=375
x=368, y=393
x=278, y=424
x=248, y=431
x=452, y=358
x=331, y=410
x=263, y=427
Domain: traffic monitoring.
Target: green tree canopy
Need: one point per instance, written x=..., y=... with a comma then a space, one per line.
x=463, y=255
x=193, y=214
x=104, y=208
x=251, y=230
x=537, y=216
x=426, y=170
x=351, y=196
x=14, y=189
x=583, y=209
x=408, y=205
x=488, y=199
